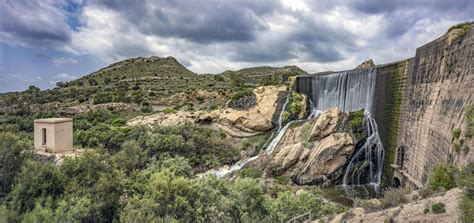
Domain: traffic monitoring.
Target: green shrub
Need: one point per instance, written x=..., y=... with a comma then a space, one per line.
x=250, y=173
x=426, y=192
x=426, y=211
x=457, y=147
x=146, y=109
x=465, y=149
x=101, y=98
x=170, y=110
x=357, y=118
x=466, y=203
x=282, y=179
x=393, y=197
x=463, y=26
x=438, y=208
x=456, y=133
x=470, y=121
x=295, y=108
x=285, y=116
x=118, y=122
x=442, y=177
x=243, y=99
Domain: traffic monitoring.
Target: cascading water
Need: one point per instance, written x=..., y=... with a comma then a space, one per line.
x=366, y=164
x=347, y=90
x=269, y=145
x=351, y=91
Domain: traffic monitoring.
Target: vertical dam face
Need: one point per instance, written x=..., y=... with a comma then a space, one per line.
x=348, y=90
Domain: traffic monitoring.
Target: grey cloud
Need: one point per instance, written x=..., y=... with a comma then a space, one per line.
x=33, y=24
x=310, y=41
x=198, y=21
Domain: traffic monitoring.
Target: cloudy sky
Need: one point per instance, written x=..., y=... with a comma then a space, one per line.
x=46, y=41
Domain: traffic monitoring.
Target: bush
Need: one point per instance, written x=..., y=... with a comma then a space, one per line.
x=285, y=116
x=466, y=204
x=282, y=179
x=243, y=99
x=295, y=108
x=394, y=197
x=463, y=26
x=101, y=98
x=470, y=121
x=442, y=177
x=438, y=208
x=250, y=173
x=118, y=122
x=170, y=110
x=357, y=118
x=456, y=133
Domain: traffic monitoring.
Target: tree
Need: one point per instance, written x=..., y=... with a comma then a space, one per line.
x=36, y=180
x=131, y=157
x=249, y=199
x=13, y=153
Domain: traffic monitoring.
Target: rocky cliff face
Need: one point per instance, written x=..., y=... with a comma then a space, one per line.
x=313, y=151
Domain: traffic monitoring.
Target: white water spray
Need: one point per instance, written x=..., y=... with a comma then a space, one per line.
x=370, y=154
x=269, y=145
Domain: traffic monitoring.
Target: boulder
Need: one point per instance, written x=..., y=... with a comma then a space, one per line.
x=316, y=158
x=327, y=123
x=366, y=64
x=331, y=154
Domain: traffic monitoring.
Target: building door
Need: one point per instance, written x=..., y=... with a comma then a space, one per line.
x=44, y=136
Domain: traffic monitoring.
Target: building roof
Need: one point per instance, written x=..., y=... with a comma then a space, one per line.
x=53, y=120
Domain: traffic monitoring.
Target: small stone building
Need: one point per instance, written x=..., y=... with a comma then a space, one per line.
x=53, y=135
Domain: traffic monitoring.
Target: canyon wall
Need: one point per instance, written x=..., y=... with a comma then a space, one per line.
x=436, y=93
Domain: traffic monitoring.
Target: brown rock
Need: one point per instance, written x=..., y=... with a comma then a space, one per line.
x=331, y=154
x=366, y=64
x=327, y=123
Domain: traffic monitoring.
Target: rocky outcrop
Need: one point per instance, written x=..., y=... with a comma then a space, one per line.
x=414, y=211
x=251, y=121
x=327, y=123
x=234, y=122
x=313, y=151
x=366, y=64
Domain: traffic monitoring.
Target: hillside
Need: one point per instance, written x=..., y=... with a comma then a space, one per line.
x=142, y=84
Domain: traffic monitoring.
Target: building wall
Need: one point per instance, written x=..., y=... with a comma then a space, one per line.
x=436, y=95
x=63, y=139
x=38, y=135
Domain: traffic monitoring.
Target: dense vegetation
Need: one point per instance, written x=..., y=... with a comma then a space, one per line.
x=139, y=183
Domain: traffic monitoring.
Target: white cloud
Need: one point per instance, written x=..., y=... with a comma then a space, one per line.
x=315, y=35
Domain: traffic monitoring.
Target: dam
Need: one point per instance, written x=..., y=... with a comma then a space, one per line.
x=416, y=103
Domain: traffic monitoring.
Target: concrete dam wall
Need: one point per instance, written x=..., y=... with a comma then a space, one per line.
x=417, y=103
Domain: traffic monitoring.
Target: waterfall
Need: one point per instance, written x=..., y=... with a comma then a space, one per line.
x=269, y=145
x=351, y=91
x=365, y=167
x=347, y=90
